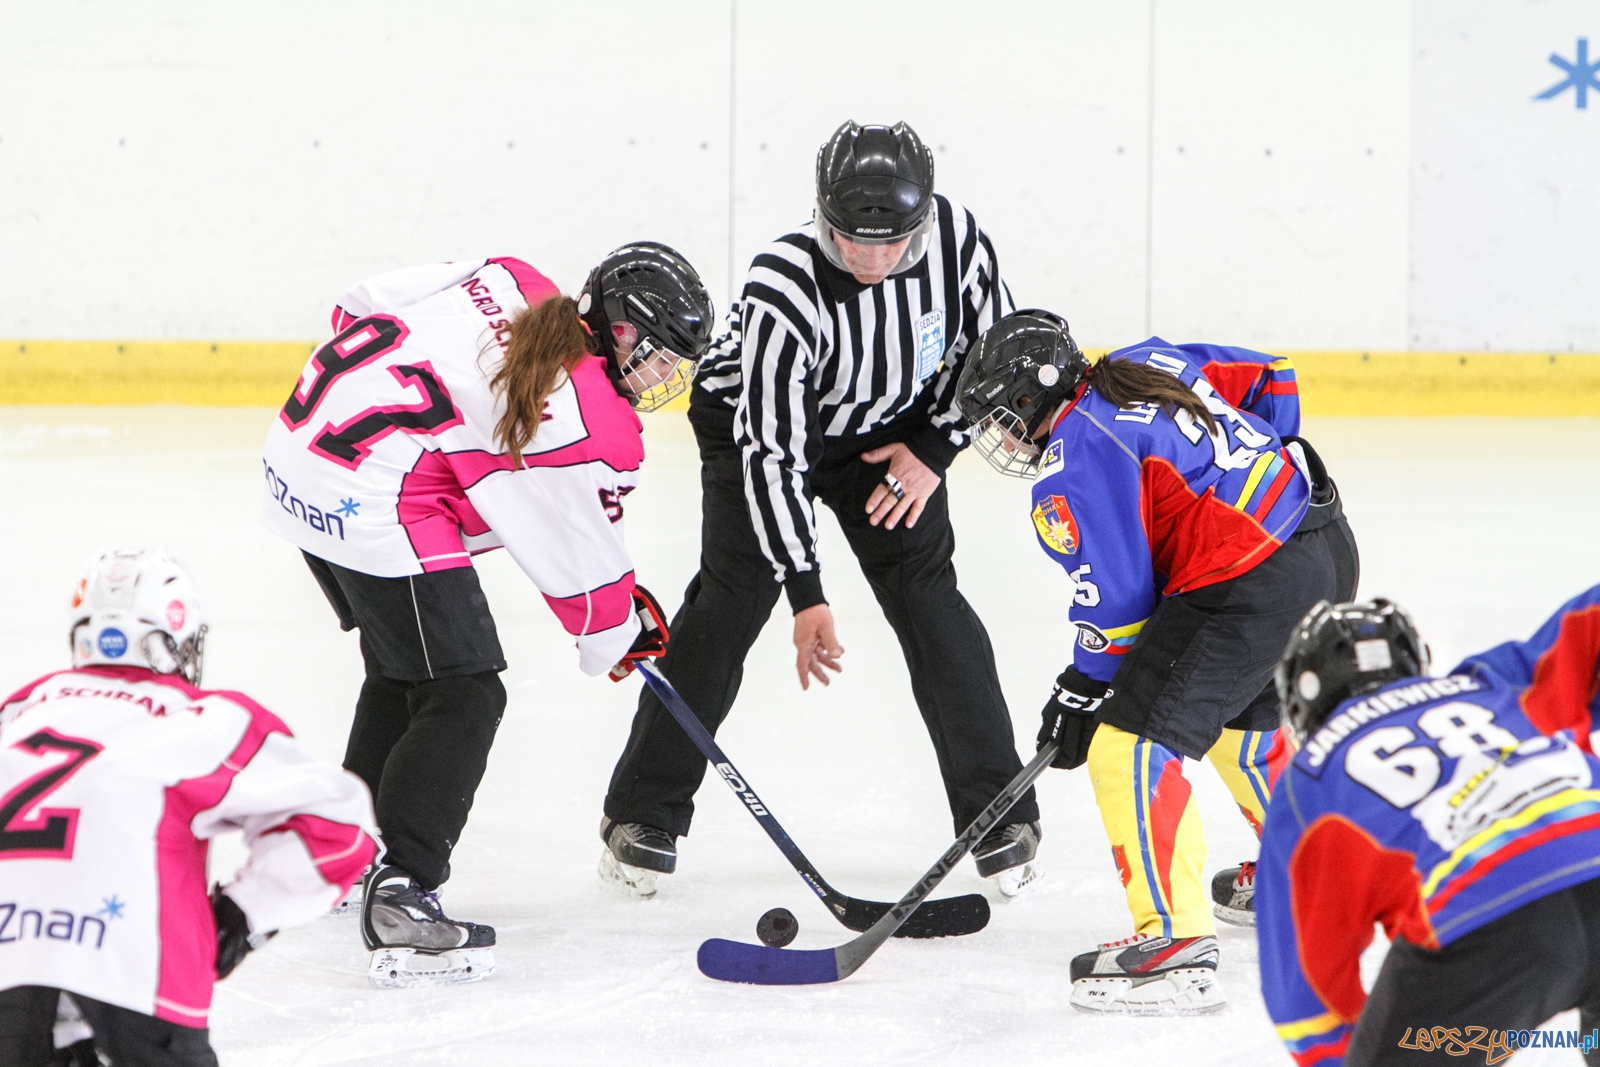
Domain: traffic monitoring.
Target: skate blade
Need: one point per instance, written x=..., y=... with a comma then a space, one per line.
x=636, y=882
x=402, y=968
x=349, y=904
x=1187, y=991
x=1234, y=916
x=1014, y=882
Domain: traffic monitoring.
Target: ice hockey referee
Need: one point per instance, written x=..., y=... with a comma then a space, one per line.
x=836, y=381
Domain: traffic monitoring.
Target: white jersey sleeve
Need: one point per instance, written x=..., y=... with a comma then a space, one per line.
x=309, y=827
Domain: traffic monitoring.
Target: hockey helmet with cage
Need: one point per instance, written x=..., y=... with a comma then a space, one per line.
x=1025, y=366
x=137, y=608
x=875, y=187
x=1340, y=651
x=646, y=300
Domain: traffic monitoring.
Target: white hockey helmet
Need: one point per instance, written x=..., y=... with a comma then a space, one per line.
x=137, y=608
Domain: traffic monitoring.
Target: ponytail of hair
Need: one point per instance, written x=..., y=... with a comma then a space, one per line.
x=1123, y=383
x=546, y=341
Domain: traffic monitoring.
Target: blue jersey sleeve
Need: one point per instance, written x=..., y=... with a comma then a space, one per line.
x=1558, y=668
x=1086, y=514
x=1262, y=384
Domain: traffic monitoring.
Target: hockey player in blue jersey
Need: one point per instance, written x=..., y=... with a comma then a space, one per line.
x=1197, y=529
x=1462, y=813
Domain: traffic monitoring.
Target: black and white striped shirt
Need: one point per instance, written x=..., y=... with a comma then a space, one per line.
x=813, y=358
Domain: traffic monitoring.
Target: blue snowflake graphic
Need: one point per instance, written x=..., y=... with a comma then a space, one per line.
x=348, y=507
x=113, y=907
x=1581, y=76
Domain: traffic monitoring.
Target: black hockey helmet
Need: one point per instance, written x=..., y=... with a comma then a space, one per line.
x=1025, y=366
x=1341, y=651
x=647, y=299
x=875, y=187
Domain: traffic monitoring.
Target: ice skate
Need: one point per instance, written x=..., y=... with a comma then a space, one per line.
x=634, y=855
x=1233, y=892
x=1146, y=975
x=413, y=942
x=1007, y=855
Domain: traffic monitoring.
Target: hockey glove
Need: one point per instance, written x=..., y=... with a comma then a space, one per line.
x=1069, y=717
x=234, y=941
x=652, y=640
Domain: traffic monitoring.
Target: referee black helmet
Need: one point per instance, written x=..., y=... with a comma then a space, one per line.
x=875, y=187
x=1341, y=651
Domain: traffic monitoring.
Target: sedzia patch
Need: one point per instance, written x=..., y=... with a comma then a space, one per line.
x=930, y=343
x=1057, y=528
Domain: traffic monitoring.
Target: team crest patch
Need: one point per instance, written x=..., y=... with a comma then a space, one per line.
x=1056, y=526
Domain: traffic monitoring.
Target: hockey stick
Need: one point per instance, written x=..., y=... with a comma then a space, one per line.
x=949, y=917
x=735, y=961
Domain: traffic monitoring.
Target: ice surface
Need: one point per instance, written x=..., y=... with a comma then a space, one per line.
x=1480, y=527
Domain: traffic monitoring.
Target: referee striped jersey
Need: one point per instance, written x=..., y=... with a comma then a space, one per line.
x=813, y=358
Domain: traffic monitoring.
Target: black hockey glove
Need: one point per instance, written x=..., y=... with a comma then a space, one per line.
x=1069, y=717
x=234, y=941
x=652, y=640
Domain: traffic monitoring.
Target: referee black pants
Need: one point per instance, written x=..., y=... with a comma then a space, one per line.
x=945, y=645
x=429, y=707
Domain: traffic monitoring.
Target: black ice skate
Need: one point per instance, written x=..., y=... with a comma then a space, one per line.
x=1233, y=893
x=1144, y=975
x=413, y=942
x=634, y=855
x=1007, y=854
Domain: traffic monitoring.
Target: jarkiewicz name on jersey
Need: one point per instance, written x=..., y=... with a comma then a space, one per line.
x=1375, y=707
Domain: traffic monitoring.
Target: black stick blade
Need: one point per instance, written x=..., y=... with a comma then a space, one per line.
x=946, y=917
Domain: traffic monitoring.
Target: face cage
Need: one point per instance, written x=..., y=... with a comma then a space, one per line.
x=653, y=374
x=921, y=237
x=165, y=656
x=1002, y=439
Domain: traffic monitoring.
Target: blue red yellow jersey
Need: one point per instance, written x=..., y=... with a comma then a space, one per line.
x=1137, y=504
x=1556, y=668
x=1262, y=384
x=1432, y=806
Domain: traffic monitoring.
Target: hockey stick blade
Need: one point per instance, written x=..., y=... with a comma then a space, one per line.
x=736, y=961
x=947, y=917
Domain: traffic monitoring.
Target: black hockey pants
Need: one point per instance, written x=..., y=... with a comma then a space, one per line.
x=126, y=1038
x=946, y=647
x=428, y=709
x=1511, y=975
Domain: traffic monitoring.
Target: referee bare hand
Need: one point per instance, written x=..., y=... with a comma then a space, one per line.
x=916, y=481
x=814, y=644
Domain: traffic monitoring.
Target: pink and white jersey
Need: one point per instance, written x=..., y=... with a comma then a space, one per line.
x=384, y=459
x=112, y=782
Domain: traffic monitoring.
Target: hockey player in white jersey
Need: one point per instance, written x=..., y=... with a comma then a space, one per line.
x=114, y=777
x=461, y=407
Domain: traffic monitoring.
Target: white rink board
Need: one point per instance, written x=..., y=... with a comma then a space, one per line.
x=1324, y=174
x=1480, y=527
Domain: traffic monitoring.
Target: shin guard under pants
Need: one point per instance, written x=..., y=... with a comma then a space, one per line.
x=1155, y=833
x=1249, y=762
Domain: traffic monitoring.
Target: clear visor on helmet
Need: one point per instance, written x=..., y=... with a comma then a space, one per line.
x=876, y=253
x=651, y=373
x=1002, y=439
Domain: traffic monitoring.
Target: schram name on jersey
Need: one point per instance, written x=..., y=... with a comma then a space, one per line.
x=1357, y=715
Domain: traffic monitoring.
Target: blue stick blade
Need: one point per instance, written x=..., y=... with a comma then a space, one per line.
x=735, y=961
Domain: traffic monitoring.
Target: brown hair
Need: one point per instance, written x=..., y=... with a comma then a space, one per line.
x=546, y=340
x=1124, y=382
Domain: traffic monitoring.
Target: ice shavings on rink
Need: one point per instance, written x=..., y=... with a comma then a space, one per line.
x=1480, y=527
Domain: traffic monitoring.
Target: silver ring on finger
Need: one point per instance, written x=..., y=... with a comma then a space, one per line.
x=895, y=487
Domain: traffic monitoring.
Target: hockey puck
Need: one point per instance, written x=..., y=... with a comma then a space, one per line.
x=777, y=927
